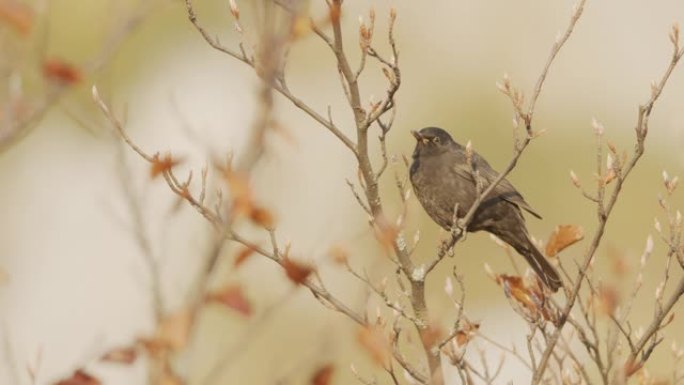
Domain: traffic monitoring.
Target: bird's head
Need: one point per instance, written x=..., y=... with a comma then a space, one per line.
x=431, y=141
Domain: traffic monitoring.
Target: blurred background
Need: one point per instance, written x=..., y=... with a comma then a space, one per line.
x=74, y=282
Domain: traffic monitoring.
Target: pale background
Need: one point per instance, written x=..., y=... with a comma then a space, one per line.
x=77, y=284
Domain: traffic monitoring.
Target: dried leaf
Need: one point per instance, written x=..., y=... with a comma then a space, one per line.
x=233, y=297
x=618, y=261
x=18, y=15
x=60, y=71
x=632, y=367
x=562, y=237
x=169, y=378
x=243, y=254
x=466, y=333
x=374, y=342
x=296, y=272
x=323, y=375
x=126, y=355
x=79, y=377
x=339, y=254
x=609, y=299
x=162, y=165
x=385, y=233
x=431, y=335
x=261, y=217
x=514, y=287
x=174, y=331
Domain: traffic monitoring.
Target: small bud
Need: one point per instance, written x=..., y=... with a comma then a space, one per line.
x=659, y=291
x=666, y=177
x=611, y=147
x=648, y=250
x=393, y=14
x=678, y=218
x=654, y=88
x=469, y=152
x=490, y=272
x=656, y=224
x=448, y=287
x=673, y=184
x=574, y=179
x=234, y=9
x=674, y=35
x=597, y=126
x=416, y=237
x=610, y=162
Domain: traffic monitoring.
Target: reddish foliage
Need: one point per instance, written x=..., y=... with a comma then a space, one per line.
x=323, y=375
x=374, y=342
x=60, y=71
x=296, y=272
x=161, y=165
x=243, y=254
x=80, y=377
x=18, y=15
x=233, y=297
x=562, y=237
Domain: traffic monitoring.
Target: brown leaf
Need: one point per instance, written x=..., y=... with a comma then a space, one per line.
x=323, y=375
x=374, y=342
x=339, y=254
x=431, y=335
x=18, y=15
x=4, y=276
x=618, y=261
x=60, y=71
x=562, y=237
x=174, y=331
x=126, y=355
x=261, y=217
x=514, y=287
x=243, y=254
x=609, y=299
x=385, y=233
x=296, y=272
x=632, y=367
x=233, y=297
x=79, y=377
x=169, y=378
x=161, y=165
x=466, y=333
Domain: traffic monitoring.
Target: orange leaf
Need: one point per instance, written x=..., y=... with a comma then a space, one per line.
x=244, y=253
x=233, y=297
x=18, y=15
x=375, y=343
x=609, y=299
x=562, y=237
x=261, y=217
x=296, y=272
x=467, y=333
x=431, y=335
x=339, y=254
x=126, y=355
x=162, y=165
x=174, y=331
x=60, y=71
x=323, y=375
x=80, y=377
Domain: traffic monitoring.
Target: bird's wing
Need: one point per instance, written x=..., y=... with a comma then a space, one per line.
x=504, y=189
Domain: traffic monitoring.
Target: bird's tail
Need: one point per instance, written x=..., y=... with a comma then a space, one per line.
x=546, y=272
x=524, y=246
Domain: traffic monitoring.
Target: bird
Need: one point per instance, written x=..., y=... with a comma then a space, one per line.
x=442, y=178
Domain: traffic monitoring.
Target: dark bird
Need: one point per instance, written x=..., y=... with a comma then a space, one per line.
x=442, y=178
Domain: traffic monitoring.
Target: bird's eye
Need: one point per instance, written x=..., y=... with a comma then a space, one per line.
x=435, y=139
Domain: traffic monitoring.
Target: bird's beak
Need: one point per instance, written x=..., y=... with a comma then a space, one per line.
x=419, y=138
